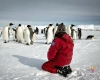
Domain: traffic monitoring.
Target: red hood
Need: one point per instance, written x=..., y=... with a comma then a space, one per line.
x=66, y=38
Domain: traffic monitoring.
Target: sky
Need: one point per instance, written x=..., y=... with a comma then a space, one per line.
x=44, y=12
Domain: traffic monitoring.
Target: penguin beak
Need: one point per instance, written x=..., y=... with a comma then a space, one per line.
x=57, y=24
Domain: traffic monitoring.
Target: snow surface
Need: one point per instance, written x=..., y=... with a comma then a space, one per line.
x=21, y=62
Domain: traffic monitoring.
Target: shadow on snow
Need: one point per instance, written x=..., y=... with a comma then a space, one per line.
x=32, y=62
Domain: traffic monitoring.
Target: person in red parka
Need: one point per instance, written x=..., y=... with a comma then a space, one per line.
x=60, y=53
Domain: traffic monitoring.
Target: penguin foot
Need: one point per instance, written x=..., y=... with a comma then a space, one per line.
x=27, y=44
x=31, y=42
x=19, y=41
x=5, y=42
x=16, y=40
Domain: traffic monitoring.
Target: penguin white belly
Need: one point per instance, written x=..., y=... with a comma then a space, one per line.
x=5, y=34
x=27, y=36
x=69, y=31
x=20, y=34
x=49, y=35
x=34, y=37
x=74, y=35
x=24, y=35
x=13, y=33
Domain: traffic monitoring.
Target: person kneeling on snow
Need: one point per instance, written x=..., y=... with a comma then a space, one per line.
x=60, y=53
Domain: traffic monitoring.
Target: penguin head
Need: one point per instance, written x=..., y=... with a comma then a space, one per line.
x=29, y=26
x=72, y=25
x=57, y=24
x=19, y=25
x=50, y=24
x=10, y=24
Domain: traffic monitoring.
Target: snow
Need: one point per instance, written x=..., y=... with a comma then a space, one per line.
x=21, y=62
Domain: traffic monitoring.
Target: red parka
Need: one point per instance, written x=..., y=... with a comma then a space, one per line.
x=61, y=50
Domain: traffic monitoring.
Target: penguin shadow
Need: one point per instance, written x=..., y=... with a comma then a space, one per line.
x=32, y=62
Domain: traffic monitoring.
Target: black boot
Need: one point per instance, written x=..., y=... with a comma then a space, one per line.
x=62, y=71
x=68, y=69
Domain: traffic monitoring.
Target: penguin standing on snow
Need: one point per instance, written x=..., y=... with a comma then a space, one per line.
x=73, y=34
x=6, y=33
x=79, y=33
x=27, y=35
x=0, y=33
x=19, y=33
x=37, y=30
x=69, y=30
x=45, y=32
x=33, y=37
x=55, y=29
x=31, y=34
x=14, y=34
x=49, y=34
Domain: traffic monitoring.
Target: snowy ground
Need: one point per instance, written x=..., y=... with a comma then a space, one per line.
x=21, y=62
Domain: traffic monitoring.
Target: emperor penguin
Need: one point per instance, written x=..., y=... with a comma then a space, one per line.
x=90, y=37
x=45, y=32
x=14, y=34
x=37, y=30
x=74, y=34
x=49, y=34
x=24, y=34
x=55, y=28
x=33, y=37
x=27, y=35
x=79, y=33
x=0, y=33
x=19, y=33
x=6, y=33
x=31, y=34
x=69, y=29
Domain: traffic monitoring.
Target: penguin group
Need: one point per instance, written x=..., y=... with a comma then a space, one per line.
x=29, y=35
x=50, y=32
x=19, y=34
